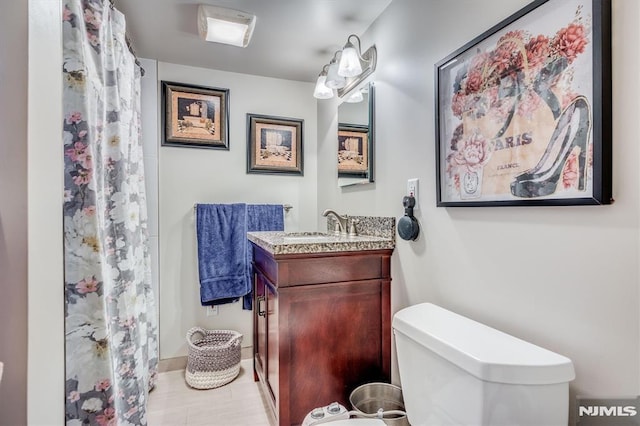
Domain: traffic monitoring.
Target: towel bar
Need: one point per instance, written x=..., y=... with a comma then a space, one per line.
x=286, y=207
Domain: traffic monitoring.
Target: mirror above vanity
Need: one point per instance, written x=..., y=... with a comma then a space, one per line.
x=355, y=139
x=349, y=75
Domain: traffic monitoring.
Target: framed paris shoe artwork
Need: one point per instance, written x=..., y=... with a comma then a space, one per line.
x=523, y=112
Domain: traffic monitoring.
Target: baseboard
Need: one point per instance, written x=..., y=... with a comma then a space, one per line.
x=180, y=362
x=172, y=364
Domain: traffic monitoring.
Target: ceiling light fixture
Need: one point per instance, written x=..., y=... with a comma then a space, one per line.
x=352, y=68
x=227, y=26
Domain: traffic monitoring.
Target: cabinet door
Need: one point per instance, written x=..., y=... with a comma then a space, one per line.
x=273, y=361
x=260, y=340
x=334, y=336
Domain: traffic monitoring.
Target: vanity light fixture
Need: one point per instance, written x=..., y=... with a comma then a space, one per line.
x=227, y=26
x=353, y=67
x=322, y=91
x=334, y=79
x=350, y=59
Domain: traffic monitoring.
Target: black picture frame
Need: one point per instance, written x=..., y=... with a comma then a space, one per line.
x=354, y=161
x=275, y=145
x=195, y=116
x=523, y=111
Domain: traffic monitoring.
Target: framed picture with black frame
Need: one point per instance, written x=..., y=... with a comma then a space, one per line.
x=523, y=111
x=353, y=150
x=274, y=145
x=195, y=116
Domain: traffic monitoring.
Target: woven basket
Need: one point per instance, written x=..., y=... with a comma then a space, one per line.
x=214, y=359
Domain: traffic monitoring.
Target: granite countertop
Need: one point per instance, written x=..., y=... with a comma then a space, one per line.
x=317, y=242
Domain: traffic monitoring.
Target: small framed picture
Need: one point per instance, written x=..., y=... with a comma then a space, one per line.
x=274, y=144
x=353, y=150
x=195, y=116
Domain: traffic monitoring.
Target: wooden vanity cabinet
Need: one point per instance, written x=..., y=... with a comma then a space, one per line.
x=322, y=327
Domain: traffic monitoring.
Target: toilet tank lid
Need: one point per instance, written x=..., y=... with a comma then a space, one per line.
x=484, y=352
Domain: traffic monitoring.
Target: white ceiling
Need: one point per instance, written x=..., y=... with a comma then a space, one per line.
x=292, y=39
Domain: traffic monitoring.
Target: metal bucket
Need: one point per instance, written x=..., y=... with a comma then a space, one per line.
x=370, y=397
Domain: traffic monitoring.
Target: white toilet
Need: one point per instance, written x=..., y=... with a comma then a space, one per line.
x=456, y=371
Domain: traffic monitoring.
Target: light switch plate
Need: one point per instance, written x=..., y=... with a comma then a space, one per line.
x=412, y=189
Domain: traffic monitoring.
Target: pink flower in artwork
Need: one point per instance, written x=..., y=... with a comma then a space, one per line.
x=89, y=211
x=537, y=51
x=458, y=103
x=477, y=77
x=508, y=55
x=473, y=151
x=570, y=171
x=103, y=385
x=87, y=286
x=74, y=396
x=74, y=118
x=132, y=399
x=570, y=41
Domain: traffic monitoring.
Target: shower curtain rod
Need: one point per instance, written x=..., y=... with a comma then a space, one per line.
x=112, y=5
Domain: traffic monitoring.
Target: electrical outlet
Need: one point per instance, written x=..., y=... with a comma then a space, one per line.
x=212, y=310
x=412, y=189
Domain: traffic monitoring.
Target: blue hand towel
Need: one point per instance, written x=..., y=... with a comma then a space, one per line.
x=221, y=231
x=260, y=217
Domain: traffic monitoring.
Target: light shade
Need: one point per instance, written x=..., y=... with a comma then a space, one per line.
x=334, y=80
x=227, y=26
x=349, y=61
x=355, y=98
x=322, y=91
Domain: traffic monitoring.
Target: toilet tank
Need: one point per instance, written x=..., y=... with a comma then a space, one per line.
x=456, y=371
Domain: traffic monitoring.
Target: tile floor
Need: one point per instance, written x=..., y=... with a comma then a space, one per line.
x=239, y=403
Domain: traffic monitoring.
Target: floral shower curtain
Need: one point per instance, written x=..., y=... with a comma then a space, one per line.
x=111, y=334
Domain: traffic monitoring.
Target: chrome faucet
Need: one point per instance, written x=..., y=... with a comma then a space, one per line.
x=342, y=221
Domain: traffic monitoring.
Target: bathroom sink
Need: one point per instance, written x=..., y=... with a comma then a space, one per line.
x=299, y=236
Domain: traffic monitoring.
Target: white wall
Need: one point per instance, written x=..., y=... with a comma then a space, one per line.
x=192, y=175
x=45, y=179
x=150, y=134
x=565, y=278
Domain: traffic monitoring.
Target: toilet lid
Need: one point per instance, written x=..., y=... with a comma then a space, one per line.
x=357, y=422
